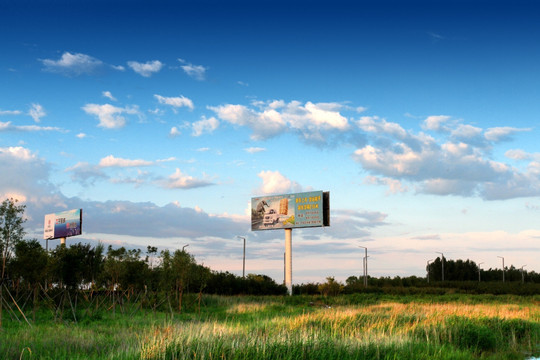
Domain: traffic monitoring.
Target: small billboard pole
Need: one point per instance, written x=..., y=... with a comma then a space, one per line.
x=288, y=260
x=63, y=241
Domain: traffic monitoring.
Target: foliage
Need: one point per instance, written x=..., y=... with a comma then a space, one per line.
x=11, y=229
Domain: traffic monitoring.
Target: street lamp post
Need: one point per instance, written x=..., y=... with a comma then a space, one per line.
x=244, y=258
x=522, y=276
x=428, y=269
x=502, y=264
x=442, y=263
x=479, y=271
x=184, y=247
x=365, y=266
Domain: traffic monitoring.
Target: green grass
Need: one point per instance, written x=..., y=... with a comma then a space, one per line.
x=362, y=326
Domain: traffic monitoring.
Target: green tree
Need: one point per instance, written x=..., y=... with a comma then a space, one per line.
x=331, y=287
x=11, y=232
x=30, y=266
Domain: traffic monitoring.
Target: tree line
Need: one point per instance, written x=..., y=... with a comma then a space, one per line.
x=28, y=267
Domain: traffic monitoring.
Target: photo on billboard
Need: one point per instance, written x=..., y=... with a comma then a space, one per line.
x=290, y=211
x=63, y=224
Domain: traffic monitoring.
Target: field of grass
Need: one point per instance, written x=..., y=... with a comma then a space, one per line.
x=364, y=326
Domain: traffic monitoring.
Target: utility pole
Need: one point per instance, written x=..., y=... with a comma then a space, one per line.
x=365, y=266
x=503, y=265
x=442, y=263
x=428, y=269
x=479, y=271
x=522, y=276
x=244, y=258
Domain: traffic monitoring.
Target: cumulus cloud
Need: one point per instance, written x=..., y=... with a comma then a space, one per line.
x=110, y=116
x=204, y=126
x=460, y=165
x=72, y=64
x=175, y=102
x=276, y=183
x=314, y=122
x=179, y=180
x=146, y=69
x=29, y=176
x=197, y=72
x=436, y=122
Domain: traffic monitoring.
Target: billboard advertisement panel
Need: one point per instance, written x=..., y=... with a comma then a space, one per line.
x=308, y=209
x=63, y=224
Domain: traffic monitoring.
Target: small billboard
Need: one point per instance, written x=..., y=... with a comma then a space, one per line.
x=63, y=224
x=308, y=209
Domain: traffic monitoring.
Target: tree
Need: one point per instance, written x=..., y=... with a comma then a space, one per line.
x=11, y=232
x=29, y=266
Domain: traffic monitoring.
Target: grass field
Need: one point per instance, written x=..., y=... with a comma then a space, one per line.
x=345, y=327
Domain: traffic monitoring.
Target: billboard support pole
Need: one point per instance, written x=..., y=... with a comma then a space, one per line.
x=63, y=241
x=288, y=260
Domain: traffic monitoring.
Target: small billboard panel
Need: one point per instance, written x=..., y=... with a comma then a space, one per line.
x=308, y=209
x=63, y=224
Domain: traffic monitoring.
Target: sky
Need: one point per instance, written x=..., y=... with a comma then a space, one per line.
x=162, y=119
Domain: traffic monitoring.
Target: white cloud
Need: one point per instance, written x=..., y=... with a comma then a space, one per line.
x=253, y=150
x=175, y=102
x=460, y=166
x=72, y=64
x=146, y=69
x=81, y=135
x=36, y=112
x=7, y=126
x=505, y=133
x=10, y=112
x=205, y=126
x=29, y=179
x=313, y=122
x=112, y=161
x=108, y=95
x=197, y=72
x=179, y=180
x=394, y=186
x=517, y=154
x=275, y=183
x=110, y=116
x=174, y=132
x=435, y=122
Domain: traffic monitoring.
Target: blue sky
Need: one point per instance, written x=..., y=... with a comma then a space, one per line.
x=162, y=119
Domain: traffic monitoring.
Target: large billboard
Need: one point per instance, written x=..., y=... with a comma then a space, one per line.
x=308, y=209
x=63, y=224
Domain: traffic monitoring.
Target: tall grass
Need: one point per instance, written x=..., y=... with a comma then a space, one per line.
x=356, y=327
